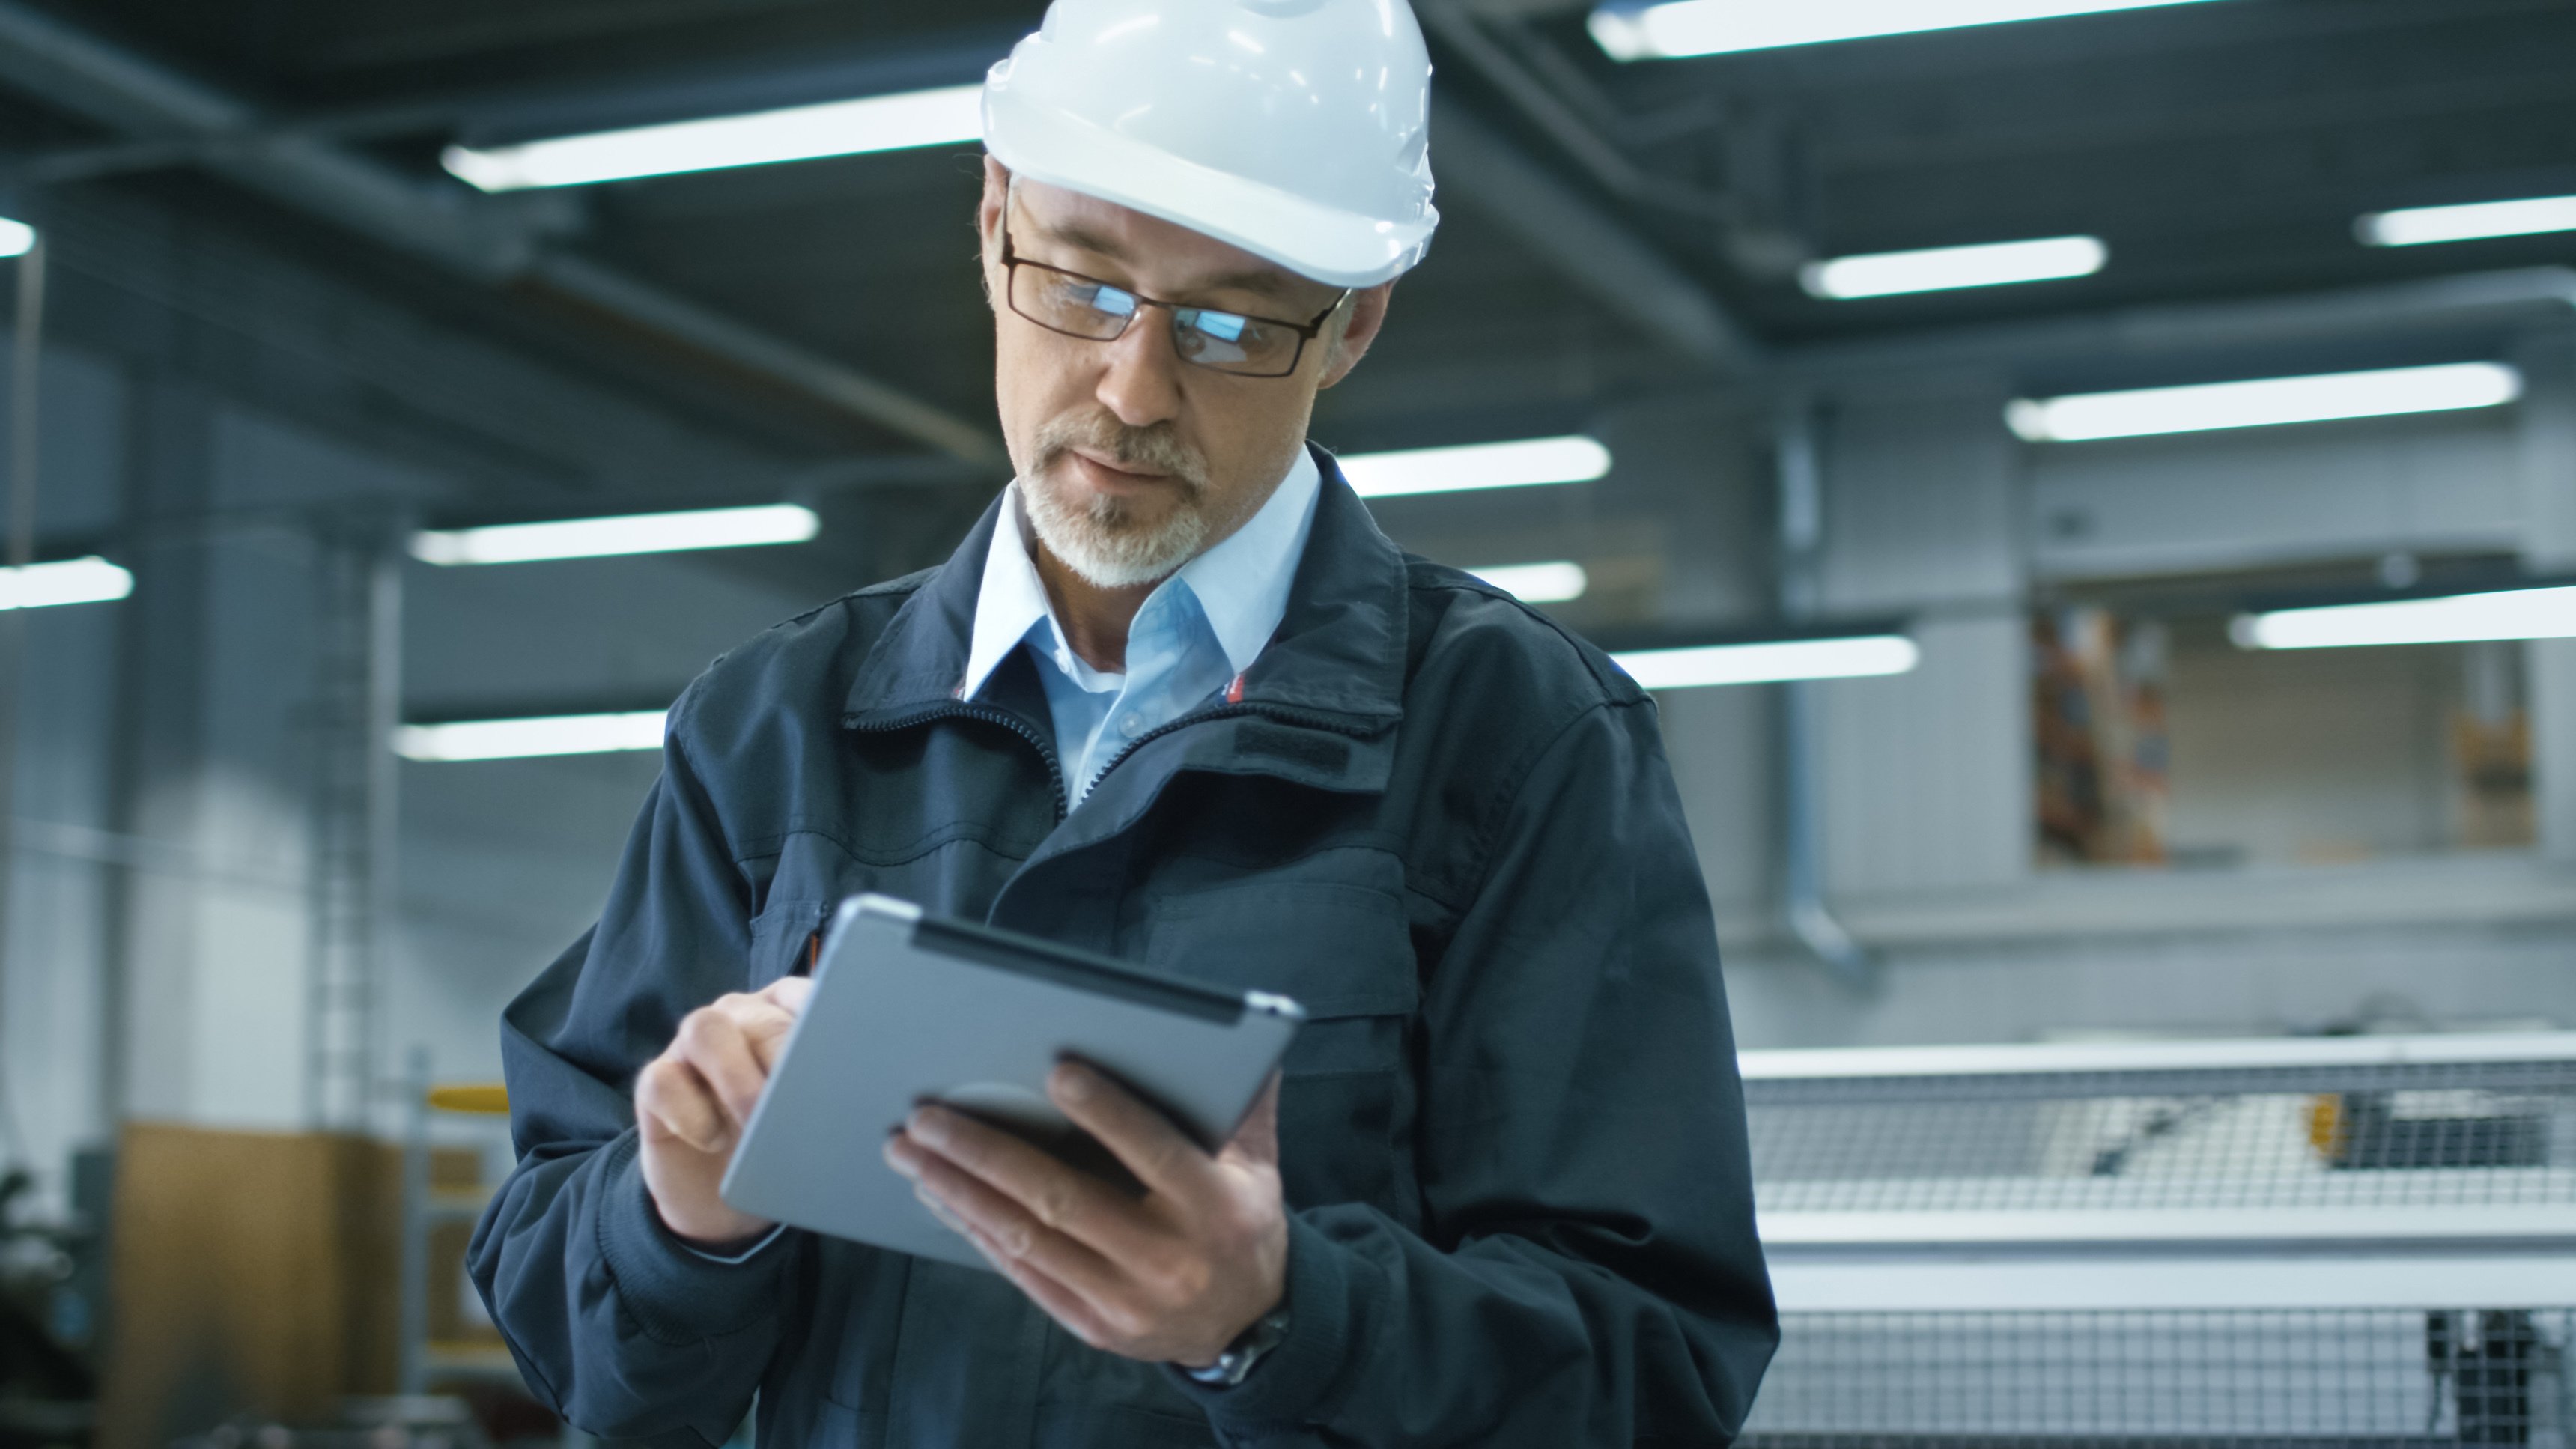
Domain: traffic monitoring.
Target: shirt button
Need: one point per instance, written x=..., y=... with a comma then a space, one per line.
x=1132, y=726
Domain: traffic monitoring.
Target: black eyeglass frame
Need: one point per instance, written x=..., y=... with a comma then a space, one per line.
x=1306, y=332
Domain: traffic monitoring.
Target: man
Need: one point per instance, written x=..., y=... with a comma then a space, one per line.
x=1176, y=699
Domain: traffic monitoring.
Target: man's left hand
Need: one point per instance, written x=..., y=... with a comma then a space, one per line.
x=1172, y=1277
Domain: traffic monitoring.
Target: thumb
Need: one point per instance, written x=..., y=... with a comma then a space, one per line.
x=1257, y=1140
x=767, y=1030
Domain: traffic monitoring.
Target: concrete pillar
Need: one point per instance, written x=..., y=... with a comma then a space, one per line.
x=212, y=911
x=2549, y=481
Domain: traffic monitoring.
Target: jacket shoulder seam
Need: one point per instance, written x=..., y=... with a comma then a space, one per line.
x=1425, y=576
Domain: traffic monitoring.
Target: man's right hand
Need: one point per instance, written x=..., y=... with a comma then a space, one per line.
x=693, y=1101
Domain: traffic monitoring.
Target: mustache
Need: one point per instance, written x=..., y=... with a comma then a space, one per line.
x=1156, y=448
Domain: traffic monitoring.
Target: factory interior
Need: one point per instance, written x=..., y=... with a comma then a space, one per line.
x=2090, y=484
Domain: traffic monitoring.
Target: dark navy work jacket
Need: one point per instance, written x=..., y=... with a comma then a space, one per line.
x=1511, y=1132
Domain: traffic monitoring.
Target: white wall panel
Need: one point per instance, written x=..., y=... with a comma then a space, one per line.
x=1721, y=742
x=1920, y=504
x=2222, y=983
x=2264, y=495
x=1927, y=775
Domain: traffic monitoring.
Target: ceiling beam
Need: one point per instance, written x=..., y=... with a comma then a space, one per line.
x=1588, y=242
x=2327, y=320
x=1582, y=239
x=489, y=240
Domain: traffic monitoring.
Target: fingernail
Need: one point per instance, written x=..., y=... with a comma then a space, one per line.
x=896, y=1158
x=929, y=1125
x=1074, y=1080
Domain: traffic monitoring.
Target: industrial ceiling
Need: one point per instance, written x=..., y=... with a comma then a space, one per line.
x=1613, y=228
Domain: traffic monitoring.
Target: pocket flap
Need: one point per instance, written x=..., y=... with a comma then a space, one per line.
x=1334, y=949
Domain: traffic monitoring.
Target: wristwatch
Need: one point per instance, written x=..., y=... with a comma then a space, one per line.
x=1249, y=1347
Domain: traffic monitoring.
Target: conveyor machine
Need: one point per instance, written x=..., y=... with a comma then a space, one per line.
x=2328, y=1241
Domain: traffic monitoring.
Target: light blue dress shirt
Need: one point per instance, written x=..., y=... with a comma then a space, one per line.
x=1194, y=636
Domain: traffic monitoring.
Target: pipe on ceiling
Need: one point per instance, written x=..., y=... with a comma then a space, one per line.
x=2388, y=310
x=1593, y=248
x=487, y=241
x=1804, y=907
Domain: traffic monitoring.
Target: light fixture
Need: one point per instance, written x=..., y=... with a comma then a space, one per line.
x=518, y=739
x=2264, y=403
x=1715, y=27
x=1538, y=583
x=73, y=581
x=1995, y=264
x=635, y=533
x=1780, y=661
x=950, y=115
x=16, y=238
x=2423, y=225
x=1531, y=462
x=2455, y=619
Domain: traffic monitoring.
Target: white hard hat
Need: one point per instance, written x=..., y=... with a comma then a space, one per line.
x=1298, y=130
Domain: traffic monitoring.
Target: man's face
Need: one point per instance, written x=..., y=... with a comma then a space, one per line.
x=1131, y=460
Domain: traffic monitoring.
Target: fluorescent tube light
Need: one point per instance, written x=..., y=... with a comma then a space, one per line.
x=947, y=116
x=2424, y=225
x=1857, y=657
x=16, y=238
x=602, y=537
x=1996, y=264
x=518, y=739
x=2264, y=403
x=74, y=581
x=1538, y=583
x=1533, y=462
x=2458, y=619
x=1714, y=27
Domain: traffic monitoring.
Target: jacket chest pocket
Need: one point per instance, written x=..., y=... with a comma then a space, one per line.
x=1344, y=953
x=783, y=939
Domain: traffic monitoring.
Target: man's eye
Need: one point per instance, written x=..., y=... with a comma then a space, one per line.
x=1223, y=326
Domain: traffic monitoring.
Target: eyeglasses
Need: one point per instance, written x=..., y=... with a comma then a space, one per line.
x=1086, y=307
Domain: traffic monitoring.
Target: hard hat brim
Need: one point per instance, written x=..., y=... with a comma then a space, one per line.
x=1335, y=247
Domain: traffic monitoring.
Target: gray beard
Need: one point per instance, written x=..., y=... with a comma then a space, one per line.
x=1106, y=548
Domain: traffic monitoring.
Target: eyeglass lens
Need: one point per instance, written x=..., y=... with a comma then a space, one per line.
x=1081, y=307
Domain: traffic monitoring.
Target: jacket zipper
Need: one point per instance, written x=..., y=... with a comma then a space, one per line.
x=1008, y=721
x=1223, y=711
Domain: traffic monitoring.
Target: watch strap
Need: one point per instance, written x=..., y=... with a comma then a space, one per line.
x=1249, y=1347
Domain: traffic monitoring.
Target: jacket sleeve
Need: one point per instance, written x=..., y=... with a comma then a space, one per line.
x=1587, y=1271
x=617, y=1324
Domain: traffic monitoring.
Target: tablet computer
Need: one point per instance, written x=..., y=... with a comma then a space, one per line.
x=907, y=1008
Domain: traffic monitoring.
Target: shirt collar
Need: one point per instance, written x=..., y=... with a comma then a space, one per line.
x=1012, y=601
x=1241, y=585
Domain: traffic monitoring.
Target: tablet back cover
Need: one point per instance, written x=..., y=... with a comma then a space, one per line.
x=898, y=1015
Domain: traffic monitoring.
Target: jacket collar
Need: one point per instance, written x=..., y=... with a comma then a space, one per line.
x=1337, y=662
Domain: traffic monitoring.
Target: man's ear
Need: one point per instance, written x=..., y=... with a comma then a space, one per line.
x=988, y=219
x=1367, y=314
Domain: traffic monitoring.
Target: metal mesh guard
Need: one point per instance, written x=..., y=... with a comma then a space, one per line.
x=2485, y=1136
x=1969, y=1381
x=2430, y=1135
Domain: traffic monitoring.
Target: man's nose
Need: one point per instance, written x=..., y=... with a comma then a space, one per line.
x=1141, y=383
